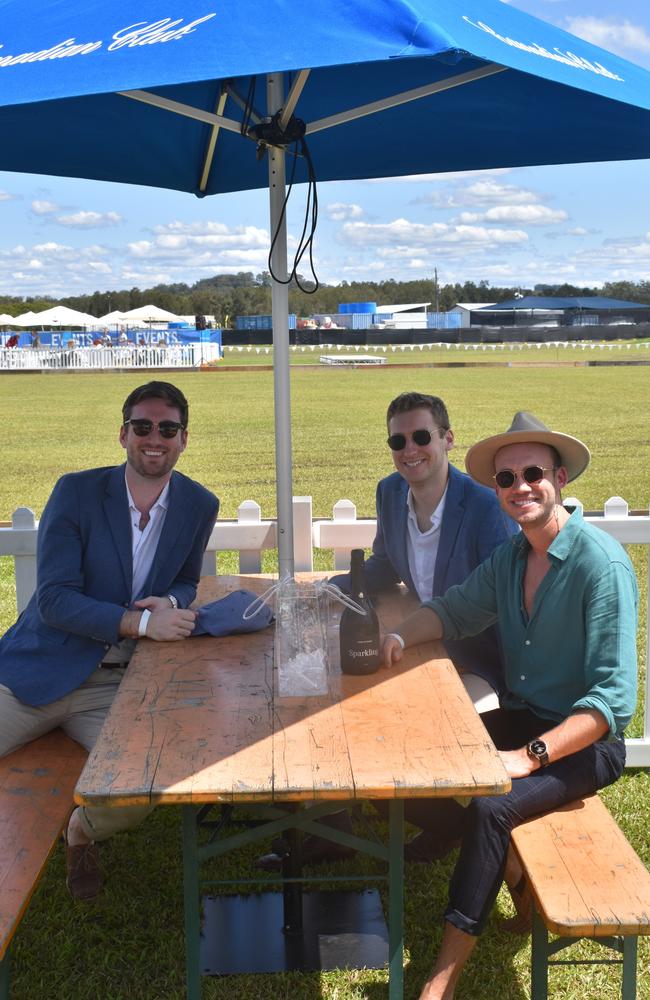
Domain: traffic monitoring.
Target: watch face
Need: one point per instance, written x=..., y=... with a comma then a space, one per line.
x=537, y=747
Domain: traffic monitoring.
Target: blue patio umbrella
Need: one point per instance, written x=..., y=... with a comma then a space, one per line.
x=214, y=97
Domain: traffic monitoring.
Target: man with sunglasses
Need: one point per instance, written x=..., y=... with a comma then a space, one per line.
x=565, y=596
x=119, y=556
x=434, y=526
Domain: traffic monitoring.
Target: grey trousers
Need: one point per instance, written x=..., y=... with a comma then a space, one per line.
x=81, y=715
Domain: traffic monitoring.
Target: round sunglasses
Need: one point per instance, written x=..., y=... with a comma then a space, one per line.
x=422, y=437
x=166, y=428
x=506, y=478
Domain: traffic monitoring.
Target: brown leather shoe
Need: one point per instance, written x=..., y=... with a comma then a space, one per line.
x=84, y=879
x=427, y=847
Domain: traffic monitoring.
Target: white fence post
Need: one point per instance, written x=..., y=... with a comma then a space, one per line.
x=25, y=561
x=303, y=549
x=250, y=560
x=343, y=512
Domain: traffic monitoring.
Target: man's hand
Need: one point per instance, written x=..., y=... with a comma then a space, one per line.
x=168, y=624
x=391, y=650
x=517, y=763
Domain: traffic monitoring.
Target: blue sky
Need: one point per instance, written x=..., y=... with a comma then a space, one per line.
x=583, y=223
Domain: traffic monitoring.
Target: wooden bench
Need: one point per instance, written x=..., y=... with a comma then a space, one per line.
x=36, y=786
x=587, y=882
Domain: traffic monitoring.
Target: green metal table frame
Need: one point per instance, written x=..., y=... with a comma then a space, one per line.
x=279, y=818
x=542, y=950
x=5, y=974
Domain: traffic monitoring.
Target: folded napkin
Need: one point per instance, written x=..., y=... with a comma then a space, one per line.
x=226, y=616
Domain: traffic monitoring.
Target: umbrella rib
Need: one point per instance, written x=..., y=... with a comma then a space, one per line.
x=182, y=109
x=212, y=142
x=408, y=95
x=292, y=99
x=254, y=115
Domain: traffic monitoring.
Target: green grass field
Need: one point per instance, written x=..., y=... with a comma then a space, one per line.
x=130, y=943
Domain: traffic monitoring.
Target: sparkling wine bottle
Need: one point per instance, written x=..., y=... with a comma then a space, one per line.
x=359, y=634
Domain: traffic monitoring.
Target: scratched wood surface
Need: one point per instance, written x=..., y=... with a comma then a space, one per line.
x=199, y=721
x=36, y=787
x=586, y=878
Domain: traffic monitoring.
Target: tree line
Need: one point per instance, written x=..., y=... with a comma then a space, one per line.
x=227, y=296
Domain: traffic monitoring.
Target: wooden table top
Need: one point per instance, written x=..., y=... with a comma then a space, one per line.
x=197, y=721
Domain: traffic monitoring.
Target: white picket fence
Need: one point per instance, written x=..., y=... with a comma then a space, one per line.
x=106, y=358
x=249, y=535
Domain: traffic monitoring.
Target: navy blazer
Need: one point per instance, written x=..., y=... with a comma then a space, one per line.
x=473, y=524
x=84, y=577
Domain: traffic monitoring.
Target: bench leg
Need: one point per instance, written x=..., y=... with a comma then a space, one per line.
x=4, y=975
x=539, y=960
x=629, y=968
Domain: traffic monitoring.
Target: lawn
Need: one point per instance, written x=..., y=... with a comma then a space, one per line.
x=130, y=942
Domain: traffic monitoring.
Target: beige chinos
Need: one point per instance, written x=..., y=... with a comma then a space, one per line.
x=81, y=715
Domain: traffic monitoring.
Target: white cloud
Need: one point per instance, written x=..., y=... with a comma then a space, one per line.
x=89, y=220
x=339, y=211
x=403, y=236
x=610, y=33
x=42, y=207
x=528, y=215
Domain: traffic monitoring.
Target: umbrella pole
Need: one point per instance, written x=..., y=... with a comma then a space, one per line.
x=280, y=311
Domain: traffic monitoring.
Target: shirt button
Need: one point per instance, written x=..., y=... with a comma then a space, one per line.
x=523, y=677
x=527, y=642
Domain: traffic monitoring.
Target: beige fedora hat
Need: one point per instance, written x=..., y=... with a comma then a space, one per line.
x=525, y=428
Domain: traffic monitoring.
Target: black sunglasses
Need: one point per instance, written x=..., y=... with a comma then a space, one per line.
x=421, y=437
x=531, y=474
x=166, y=428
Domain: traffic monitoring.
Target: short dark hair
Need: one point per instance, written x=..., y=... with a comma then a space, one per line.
x=408, y=401
x=157, y=390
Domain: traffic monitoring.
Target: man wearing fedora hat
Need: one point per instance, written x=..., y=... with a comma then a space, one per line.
x=565, y=597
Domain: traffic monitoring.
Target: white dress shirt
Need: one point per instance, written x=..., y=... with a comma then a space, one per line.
x=144, y=543
x=422, y=547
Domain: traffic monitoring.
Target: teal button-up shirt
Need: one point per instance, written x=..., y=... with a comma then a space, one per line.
x=577, y=649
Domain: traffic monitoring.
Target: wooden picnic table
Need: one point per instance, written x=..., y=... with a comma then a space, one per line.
x=200, y=721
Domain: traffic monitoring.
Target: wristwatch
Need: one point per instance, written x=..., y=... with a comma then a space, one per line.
x=537, y=750
x=173, y=601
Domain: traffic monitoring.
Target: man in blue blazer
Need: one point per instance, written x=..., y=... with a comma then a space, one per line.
x=434, y=526
x=119, y=556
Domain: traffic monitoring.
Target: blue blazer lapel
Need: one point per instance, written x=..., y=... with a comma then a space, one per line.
x=397, y=532
x=116, y=510
x=451, y=521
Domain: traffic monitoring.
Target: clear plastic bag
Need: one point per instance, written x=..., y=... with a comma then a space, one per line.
x=301, y=633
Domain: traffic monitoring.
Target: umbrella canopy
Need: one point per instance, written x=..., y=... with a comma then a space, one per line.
x=62, y=316
x=151, y=314
x=115, y=318
x=25, y=319
x=353, y=88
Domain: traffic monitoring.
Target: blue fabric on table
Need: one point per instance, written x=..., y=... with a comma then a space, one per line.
x=226, y=616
